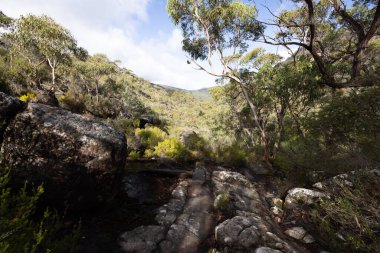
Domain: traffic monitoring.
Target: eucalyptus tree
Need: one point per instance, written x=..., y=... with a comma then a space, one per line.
x=336, y=36
x=39, y=39
x=5, y=21
x=94, y=69
x=223, y=29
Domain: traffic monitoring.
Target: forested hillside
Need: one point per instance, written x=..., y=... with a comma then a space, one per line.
x=286, y=150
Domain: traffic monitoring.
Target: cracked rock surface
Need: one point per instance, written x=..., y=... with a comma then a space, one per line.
x=188, y=220
x=183, y=223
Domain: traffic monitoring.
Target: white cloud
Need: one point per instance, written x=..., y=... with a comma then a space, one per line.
x=110, y=27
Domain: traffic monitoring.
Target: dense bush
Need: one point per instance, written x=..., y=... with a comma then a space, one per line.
x=232, y=155
x=150, y=136
x=170, y=148
x=349, y=222
x=24, y=230
x=73, y=102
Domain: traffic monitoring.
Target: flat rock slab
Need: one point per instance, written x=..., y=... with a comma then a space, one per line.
x=187, y=220
x=193, y=226
x=239, y=232
x=267, y=250
x=142, y=239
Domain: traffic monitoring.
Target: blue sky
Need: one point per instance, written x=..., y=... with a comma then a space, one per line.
x=139, y=33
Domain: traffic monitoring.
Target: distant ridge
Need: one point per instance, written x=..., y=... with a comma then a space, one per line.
x=203, y=93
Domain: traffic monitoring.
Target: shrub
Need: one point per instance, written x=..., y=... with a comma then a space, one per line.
x=352, y=214
x=222, y=202
x=232, y=155
x=148, y=153
x=28, y=97
x=22, y=230
x=134, y=155
x=150, y=136
x=170, y=148
x=73, y=102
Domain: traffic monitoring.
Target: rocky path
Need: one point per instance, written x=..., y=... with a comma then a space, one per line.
x=190, y=218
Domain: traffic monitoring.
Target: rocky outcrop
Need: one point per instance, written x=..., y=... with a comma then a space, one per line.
x=184, y=222
x=9, y=107
x=78, y=160
x=299, y=233
x=142, y=239
x=194, y=224
x=297, y=196
x=251, y=228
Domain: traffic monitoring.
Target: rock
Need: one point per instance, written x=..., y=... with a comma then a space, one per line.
x=200, y=175
x=148, y=119
x=179, y=239
x=296, y=232
x=9, y=106
x=46, y=97
x=191, y=140
x=78, y=160
x=194, y=224
x=302, y=196
x=142, y=239
x=266, y=250
x=308, y=239
x=318, y=186
x=238, y=233
x=168, y=213
x=241, y=194
x=276, y=211
x=375, y=172
x=277, y=202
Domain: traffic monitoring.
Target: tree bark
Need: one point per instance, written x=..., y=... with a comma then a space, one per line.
x=263, y=135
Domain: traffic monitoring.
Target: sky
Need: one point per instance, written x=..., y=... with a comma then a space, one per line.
x=139, y=33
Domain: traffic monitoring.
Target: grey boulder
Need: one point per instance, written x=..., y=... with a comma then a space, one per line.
x=78, y=160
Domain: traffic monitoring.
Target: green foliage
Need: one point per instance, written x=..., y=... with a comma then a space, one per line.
x=330, y=123
x=170, y=148
x=331, y=143
x=5, y=21
x=39, y=39
x=22, y=231
x=222, y=202
x=73, y=102
x=232, y=155
x=352, y=213
x=211, y=25
x=150, y=136
x=134, y=155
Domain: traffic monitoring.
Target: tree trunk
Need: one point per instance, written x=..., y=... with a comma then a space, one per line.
x=52, y=64
x=263, y=136
x=53, y=75
x=97, y=92
x=279, y=129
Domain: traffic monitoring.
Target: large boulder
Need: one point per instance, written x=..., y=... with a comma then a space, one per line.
x=9, y=107
x=78, y=160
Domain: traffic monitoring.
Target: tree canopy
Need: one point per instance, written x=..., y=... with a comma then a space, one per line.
x=41, y=38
